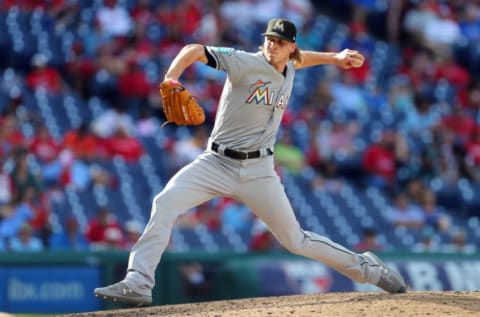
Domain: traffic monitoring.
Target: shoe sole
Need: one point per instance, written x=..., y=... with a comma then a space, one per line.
x=122, y=299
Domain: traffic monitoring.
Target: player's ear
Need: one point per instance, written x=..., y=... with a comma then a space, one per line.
x=293, y=48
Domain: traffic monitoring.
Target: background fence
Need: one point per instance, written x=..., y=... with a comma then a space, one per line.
x=63, y=282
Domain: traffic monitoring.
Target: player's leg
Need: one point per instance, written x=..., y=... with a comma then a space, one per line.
x=267, y=198
x=196, y=183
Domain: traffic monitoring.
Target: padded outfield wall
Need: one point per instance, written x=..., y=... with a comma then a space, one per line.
x=62, y=282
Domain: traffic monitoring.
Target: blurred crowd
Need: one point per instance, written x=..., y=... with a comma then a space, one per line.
x=407, y=122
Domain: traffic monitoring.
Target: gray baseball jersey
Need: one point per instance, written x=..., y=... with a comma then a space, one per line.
x=254, y=98
x=253, y=101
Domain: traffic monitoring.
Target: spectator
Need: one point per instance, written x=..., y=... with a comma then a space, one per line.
x=189, y=148
x=428, y=242
x=82, y=67
x=146, y=124
x=114, y=20
x=205, y=214
x=69, y=237
x=472, y=157
x=82, y=143
x=208, y=215
x=82, y=173
x=328, y=181
x=40, y=210
x=422, y=119
x=405, y=214
x=113, y=240
x=459, y=242
x=288, y=155
x=22, y=175
x=46, y=150
x=25, y=240
x=448, y=159
x=236, y=216
x=338, y=148
x=11, y=138
x=432, y=214
x=461, y=123
x=124, y=145
x=6, y=183
x=12, y=219
x=98, y=226
x=415, y=188
x=134, y=87
x=419, y=67
x=448, y=69
x=369, y=241
x=142, y=13
x=347, y=95
x=262, y=239
x=43, y=76
x=110, y=120
x=441, y=42
x=379, y=162
x=133, y=229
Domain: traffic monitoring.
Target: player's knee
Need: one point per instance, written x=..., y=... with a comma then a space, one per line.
x=162, y=202
x=293, y=243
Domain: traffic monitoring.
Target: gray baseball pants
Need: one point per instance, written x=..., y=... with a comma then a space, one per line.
x=253, y=182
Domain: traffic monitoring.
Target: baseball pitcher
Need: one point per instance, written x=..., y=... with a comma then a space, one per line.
x=238, y=161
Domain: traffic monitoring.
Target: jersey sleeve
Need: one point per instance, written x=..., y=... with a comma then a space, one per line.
x=227, y=59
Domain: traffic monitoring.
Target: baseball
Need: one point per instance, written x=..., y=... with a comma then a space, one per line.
x=357, y=61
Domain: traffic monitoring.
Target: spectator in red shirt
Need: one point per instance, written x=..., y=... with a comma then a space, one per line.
x=380, y=163
x=82, y=142
x=448, y=69
x=190, y=12
x=369, y=241
x=461, y=123
x=142, y=13
x=81, y=69
x=41, y=211
x=43, y=76
x=98, y=226
x=124, y=145
x=133, y=85
x=46, y=149
x=472, y=157
x=262, y=239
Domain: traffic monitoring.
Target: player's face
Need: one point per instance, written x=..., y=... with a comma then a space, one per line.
x=277, y=50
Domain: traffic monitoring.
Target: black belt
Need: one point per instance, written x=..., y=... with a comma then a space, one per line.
x=239, y=155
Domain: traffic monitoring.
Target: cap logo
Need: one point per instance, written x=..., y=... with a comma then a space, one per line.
x=278, y=26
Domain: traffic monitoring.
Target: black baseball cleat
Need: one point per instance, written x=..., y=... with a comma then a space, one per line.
x=120, y=292
x=390, y=280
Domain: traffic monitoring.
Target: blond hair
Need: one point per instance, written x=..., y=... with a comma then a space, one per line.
x=297, y=56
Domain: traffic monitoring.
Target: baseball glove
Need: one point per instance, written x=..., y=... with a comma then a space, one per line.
x=179, y=105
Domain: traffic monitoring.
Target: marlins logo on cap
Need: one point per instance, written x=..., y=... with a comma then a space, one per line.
x=281, y=28
x=278, y=27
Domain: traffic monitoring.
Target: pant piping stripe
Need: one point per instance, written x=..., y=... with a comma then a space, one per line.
x=338, y=249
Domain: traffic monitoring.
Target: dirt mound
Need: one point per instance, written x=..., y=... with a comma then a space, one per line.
x=333, y=304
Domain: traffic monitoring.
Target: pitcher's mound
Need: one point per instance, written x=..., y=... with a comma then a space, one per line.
x=432, y=304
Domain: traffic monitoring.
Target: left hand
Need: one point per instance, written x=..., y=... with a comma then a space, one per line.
x=348, y=58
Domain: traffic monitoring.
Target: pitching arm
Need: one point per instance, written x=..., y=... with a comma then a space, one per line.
x=345, y=59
